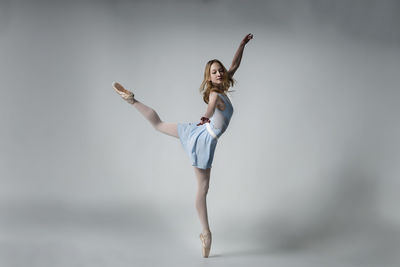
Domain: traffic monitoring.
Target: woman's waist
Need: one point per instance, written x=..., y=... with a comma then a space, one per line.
x=219, y=125
x=217, y=131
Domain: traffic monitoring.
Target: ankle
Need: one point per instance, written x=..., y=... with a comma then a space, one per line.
x=132, y=101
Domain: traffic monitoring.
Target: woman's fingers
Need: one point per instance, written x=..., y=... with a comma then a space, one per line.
x=247, y=38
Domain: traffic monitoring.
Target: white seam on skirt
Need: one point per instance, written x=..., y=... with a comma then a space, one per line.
x=210, y=131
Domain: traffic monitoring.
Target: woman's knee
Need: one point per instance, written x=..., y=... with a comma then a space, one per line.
x=203, y=188
x=203, y=180
x=157, y=126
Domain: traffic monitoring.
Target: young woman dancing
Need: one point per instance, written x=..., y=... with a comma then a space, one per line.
x=200, y=139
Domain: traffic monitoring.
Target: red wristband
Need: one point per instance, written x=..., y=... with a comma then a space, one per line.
x=203, y=120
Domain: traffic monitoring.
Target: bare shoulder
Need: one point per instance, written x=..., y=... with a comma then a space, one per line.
x=213, y=93
x=213, y=97
x=217, y=100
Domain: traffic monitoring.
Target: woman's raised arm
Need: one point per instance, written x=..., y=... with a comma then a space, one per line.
x=238, y=55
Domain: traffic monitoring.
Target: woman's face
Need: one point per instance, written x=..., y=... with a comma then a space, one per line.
x=216, y=73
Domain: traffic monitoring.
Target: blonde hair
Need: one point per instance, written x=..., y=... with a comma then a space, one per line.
x=207, y=87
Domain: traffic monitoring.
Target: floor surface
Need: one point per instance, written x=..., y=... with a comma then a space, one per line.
x=78, y=236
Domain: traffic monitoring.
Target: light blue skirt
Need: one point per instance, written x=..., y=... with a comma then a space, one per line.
x=198, y=144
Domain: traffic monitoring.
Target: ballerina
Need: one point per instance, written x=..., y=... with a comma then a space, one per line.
x=199, y=140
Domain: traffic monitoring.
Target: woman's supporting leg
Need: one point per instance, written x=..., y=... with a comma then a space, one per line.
x=203, y=181
x=152, y=116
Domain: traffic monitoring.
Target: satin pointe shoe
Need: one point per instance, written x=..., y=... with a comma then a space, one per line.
x=206, y=239
x=125, y=94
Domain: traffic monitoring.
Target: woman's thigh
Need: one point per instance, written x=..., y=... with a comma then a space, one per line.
x=168, y=128
x=203, y=176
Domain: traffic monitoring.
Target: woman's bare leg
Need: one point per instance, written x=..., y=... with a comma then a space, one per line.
x=149, y=113
x=203, y=182
x=152, y=116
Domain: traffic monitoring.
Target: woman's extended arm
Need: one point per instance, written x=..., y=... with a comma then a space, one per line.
x=238, y=55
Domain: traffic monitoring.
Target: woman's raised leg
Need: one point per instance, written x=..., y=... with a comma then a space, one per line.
x=149, y=113
x=152, y=116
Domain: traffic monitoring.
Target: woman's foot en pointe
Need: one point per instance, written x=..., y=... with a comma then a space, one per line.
x=206, y=239
x=125, y=94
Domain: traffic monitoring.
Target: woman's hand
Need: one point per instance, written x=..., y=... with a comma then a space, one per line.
x=247, y=38
x=203, y=120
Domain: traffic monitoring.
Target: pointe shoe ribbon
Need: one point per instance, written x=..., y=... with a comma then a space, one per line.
x=125, y=94
x=204, y=237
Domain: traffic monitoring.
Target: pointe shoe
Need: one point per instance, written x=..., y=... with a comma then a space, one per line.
x=206, y=239
x=125, y=94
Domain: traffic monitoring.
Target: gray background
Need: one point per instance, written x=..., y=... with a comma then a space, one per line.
x=306, y=175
